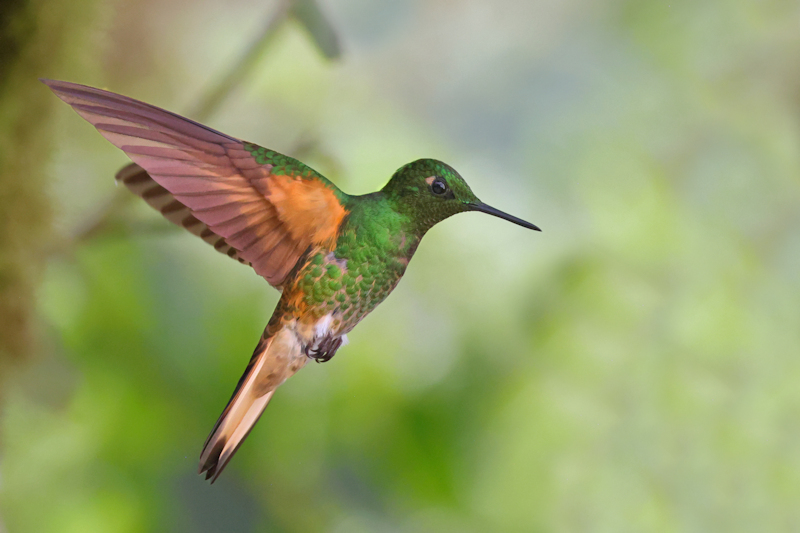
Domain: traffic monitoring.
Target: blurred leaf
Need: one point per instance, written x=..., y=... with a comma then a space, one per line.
x=309, y=14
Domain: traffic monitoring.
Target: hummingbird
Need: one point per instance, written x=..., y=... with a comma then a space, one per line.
x=333, y=256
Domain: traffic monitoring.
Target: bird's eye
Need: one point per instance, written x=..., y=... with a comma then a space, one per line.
x=438, y=186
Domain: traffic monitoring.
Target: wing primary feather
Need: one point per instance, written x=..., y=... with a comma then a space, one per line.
x=79, y=91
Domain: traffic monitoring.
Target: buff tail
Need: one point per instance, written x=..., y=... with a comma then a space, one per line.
x=274, y=360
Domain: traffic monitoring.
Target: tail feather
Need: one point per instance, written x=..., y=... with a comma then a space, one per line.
x=215, y=457
x=274, y=360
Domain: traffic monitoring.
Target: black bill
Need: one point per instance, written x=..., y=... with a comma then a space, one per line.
x=483, y=208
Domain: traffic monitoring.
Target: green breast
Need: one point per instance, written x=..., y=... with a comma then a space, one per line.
x=371, y=255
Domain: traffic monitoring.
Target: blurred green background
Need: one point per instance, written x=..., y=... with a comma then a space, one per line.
x=635, y=367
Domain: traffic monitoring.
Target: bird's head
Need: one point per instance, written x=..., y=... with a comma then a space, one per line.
x=429, y=191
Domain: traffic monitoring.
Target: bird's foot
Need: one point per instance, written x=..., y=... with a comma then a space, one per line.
x=324, y=351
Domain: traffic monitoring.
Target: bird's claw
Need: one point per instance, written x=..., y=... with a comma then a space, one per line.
x=325, y=350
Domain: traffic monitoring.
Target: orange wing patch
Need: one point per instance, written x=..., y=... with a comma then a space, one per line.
x=309, y=209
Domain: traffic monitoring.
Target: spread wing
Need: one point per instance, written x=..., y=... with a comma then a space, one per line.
x=256, y=205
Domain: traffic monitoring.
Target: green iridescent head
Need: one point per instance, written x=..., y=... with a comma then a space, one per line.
x=429, y=191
